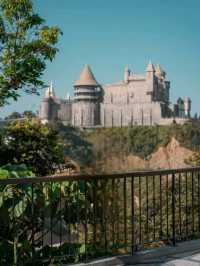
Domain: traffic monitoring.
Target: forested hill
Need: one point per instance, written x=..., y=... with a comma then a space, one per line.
x=98, y=148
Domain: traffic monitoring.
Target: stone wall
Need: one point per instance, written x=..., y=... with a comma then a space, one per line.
x=65, y=112
x=85, y=114
x=116, y=115
x=139, y=99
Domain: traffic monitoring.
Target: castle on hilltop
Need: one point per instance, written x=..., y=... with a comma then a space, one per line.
x=136, y=100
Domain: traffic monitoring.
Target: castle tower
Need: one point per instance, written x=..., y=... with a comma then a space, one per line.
x=150, y=70
x=181, y=107
x=126, y=74
x=47, y=93
x=150, y=75
x=159, y=72
x=187, y=107
x=85, y=110
x=51, y=90
x=45, y=107
x=164, y=85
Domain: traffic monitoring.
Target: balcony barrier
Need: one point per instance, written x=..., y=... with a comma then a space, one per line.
x=69, y=219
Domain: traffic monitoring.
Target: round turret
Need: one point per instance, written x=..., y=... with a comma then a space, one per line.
x=85, y=111
x=45, y=110
x=85, y=86
x=46, y=105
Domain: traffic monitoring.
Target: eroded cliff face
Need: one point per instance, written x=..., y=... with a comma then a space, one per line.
x=122, y=164
x=171, y=156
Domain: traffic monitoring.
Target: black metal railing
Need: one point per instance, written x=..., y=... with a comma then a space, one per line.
x=76, y=218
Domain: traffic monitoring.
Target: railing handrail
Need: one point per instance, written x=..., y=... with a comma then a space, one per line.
x=79, y=177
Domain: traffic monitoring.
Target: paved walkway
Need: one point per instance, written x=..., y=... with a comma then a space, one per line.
x=185, y=261
x=193, y=260
x=184, y=254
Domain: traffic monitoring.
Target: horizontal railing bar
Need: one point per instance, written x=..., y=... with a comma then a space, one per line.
x=31, y=180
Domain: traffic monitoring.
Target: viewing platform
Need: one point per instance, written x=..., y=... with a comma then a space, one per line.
x=135, y=217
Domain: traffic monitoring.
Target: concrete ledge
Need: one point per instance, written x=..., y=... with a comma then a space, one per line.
x=111, y=261
x=162, y=254
x=158, y=255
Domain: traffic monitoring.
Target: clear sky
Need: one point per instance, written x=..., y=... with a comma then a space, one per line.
x=110, y=34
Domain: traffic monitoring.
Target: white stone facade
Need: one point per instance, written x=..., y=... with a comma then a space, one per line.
x=136, y=100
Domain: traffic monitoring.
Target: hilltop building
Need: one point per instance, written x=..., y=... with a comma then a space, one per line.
x=135, y=100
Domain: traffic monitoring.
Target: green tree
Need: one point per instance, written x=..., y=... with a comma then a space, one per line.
x=28, y=114
x=13, y=115
x=26, y=43
x=12, y=203
x=33, y=144
x=75, y=146
x=24, y=208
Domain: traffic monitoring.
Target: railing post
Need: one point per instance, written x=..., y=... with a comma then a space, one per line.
x=173, y=211
x=86, y=217
x=132, y=217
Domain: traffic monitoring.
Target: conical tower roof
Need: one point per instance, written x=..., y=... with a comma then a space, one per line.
x=86, y=78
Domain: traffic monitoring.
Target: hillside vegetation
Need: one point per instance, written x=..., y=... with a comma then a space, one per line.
x=142, y=140
x=120, y=144
x=92, y=149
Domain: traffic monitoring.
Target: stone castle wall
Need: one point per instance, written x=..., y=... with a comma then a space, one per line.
x=136, y=100
x=113, y=115
x=85, y=114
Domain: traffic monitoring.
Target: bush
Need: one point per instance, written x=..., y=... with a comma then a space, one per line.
x=15, y=171
x=31, y=143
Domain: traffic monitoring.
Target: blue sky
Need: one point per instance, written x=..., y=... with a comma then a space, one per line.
x=110, y=34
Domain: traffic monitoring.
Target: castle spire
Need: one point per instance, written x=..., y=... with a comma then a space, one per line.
x=47, y=92
x=150, y=67
x=51, y=90
x=126, y=74
x=159, y=71
x=67, y=96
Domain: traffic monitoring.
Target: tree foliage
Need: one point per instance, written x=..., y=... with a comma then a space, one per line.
x=25, y=213
x=142, y=140
x=33, y=144
x=75, y=146
x=26, y=43
x=17, y=115
x=28, y=114
x=13, y=115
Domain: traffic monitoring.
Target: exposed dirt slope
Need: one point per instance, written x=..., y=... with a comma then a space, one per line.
x=171, y=156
